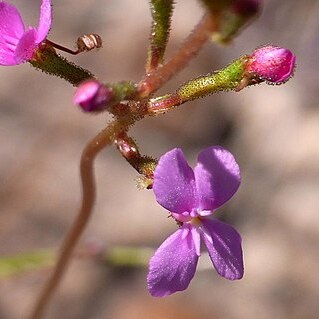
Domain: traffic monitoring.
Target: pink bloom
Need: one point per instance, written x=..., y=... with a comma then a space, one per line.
x=192, y=196
x=92, y=96
x=17, y=42
x=272, y=64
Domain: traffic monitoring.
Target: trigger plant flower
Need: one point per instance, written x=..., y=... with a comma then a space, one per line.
x=17, y=42
x=192, y=196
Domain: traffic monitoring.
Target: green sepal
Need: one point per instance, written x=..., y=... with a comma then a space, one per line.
x=122, y=90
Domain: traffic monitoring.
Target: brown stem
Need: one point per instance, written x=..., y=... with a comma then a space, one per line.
x=192, y=45
x=100, y=141
x=144, y=165
x=62, y=48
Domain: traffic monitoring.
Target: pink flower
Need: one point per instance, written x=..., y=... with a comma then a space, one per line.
x=18, y=43
x=272, y=64
x=192, y=196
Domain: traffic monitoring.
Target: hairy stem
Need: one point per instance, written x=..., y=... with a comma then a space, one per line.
x=104, y=138
x=189, y=49
x=48, y=61
x=161, y=13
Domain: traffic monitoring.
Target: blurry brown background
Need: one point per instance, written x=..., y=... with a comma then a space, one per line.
x=272, y=131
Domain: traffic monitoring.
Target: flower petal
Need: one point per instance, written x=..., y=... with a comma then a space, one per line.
x=174, y=183
x=45, y=21
x=217, y=177
x=173, y=265
x=223, y=243
x=26, y=47
x=11, y=30
x=11, y=24
x=6, y=58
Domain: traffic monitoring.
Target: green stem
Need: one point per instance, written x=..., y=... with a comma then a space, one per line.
x=128, y=256
x=48, y=61
x=230, y=78
x=224, y=80
x=161, y=13
x=22, y=263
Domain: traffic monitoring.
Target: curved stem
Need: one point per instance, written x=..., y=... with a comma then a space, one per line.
x=192, y=45
x=91, y=150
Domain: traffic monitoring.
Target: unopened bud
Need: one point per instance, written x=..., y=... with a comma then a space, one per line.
x=234, y=18
x=92, y=96
x=246, y=7
x=272, y=64
x=127, y=147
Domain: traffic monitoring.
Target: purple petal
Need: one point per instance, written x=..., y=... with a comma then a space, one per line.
x=26, y=47
x=217, y=177
x=174, y=184
x=11, y=30
x=11, y=24
x=223, y=243
x=173, y=265
x=45, y=21
x=6, y=58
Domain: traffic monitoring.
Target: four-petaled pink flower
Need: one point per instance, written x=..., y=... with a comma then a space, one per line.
x=18, y=43
x=191, y=197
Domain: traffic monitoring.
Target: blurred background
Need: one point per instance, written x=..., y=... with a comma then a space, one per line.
x=272, y=131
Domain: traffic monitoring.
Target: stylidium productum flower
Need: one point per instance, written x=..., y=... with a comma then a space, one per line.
x=272, y=64
x=192, y=196
x=17, y=42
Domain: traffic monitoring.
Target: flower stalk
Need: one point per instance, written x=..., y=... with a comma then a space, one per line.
x=162, y=11
x=232, y=16
x=189, y=49
x=227, y=79
x=144, y=165
x=237, y=17
x=47, y=60
x=118, y=256
x=92, y=149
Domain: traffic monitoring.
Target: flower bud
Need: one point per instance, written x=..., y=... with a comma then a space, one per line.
x=232, y=17
x=272, y=64
x=127, y=146
x=92, y=96
x=246, y=7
